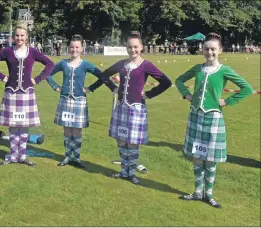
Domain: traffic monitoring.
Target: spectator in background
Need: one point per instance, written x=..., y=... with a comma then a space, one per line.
x=149, y=43
x=179, y=49
x=154, y=46
x=170, y=47
x=161, y=48
x=96, y=48
x=58, y=47
x=101, y=49
x=174, y=48
x=90, y=48
x=54, y=51
x=233, y=48
x=246, y=48
x=185, y=45
x=237, y=48
x=200, y=47
x=49, y=47
x=39, y=47
x=151, y=47
x=166, y=44
x=251, y=48
x=84, y=47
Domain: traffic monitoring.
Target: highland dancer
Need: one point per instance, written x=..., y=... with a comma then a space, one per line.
x=19, y=108
x=205, y=139
x=129, y=122
x=72, y=110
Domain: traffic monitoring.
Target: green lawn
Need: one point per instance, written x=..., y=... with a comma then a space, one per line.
x=48, y=195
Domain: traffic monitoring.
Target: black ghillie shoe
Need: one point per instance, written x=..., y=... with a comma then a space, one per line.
x=118, y=175
x=7, y=162
x=78, y=164
x=212, y=202
x=192, y=196
x=2, y=134
x=27, y=162
x=134, y=180
x=66, y=161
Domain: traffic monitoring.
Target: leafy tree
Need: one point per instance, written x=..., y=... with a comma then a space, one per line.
x=113, y=20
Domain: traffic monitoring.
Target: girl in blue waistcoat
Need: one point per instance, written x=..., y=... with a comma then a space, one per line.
x=72, y=110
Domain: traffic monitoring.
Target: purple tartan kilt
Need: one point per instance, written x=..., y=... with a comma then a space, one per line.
x=19, y=103
x=129, y=123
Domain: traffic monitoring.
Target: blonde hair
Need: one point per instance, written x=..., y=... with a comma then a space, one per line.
x=21, y=25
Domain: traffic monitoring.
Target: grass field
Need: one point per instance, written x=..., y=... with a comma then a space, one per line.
x=48, y=195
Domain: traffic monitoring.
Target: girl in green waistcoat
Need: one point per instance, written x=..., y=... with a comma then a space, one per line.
x=205, y=137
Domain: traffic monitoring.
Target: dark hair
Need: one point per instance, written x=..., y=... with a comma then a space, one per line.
x=213, y=36
x=134, y=34
x=77, y=37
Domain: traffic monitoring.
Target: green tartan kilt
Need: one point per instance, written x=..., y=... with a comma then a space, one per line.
x=207, y=129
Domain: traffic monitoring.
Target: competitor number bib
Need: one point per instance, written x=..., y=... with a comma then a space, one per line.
x=123, y=132
x=19, y=116
x=68, y=116
x=200, y=149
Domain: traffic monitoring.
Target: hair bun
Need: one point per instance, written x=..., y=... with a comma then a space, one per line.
x=213, y=35
x=77, y=36
x=135, y=34
x=21, y=25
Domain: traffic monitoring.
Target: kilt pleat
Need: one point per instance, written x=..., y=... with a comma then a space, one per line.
x=129, y=123
x=19, y=102
x=208, y=129
x=76, y=106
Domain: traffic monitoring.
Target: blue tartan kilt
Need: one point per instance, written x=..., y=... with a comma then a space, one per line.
x=76, y=109
x=129, y=123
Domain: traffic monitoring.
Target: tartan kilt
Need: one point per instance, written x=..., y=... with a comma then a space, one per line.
x=17, y=104
x=129, y=123
x=76, y=106
x=207, y=129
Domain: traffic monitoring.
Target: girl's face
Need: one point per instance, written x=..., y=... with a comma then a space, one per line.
x=76, y=48
x=21, y=37
x=134, y=47
x=211, y=50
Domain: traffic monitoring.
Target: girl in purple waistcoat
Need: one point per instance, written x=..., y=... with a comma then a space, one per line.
x=19, y=109
x=129, y=122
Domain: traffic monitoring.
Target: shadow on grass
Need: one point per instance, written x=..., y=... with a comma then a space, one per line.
x=95, y=168
x=230, y=158
x=243, y=161
x=147, y=183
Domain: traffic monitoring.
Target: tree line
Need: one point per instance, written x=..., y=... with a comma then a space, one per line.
x=111, y=21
